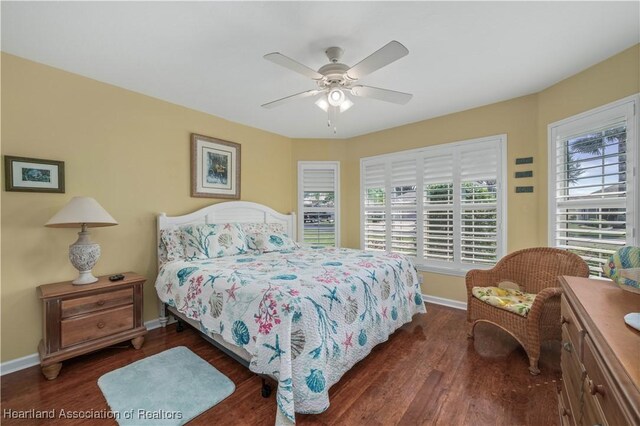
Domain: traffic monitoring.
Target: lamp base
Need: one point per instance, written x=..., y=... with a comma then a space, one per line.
x=83, y=255
x=85, y=277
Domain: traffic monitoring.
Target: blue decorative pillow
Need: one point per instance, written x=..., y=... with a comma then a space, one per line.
x=211, y=241
x=625, y=258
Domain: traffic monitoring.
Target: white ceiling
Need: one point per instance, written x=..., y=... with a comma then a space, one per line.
x=208, y=55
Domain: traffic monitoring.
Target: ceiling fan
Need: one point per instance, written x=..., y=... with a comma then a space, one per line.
x=336, y=80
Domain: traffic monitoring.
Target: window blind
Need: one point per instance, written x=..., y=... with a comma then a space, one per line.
x=440, y=205
x=592, y=183
x=375, y=207
x=403, y=202
x=318, y=199
x=479, y=206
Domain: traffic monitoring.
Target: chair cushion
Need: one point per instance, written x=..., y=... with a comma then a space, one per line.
x=505, y=298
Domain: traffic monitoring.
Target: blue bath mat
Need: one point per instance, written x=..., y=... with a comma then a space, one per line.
x=169, y=388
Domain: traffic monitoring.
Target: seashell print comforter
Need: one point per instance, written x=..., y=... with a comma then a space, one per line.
x=306, y=316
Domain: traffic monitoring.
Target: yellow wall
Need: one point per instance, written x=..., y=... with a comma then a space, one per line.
x=131, y=152
x=128, y=151
x=608, y=81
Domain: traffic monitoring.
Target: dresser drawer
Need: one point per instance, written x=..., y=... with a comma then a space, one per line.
x=572, y=371
x=566, y=408
x=573, y=327
x=598, y=387
x=591, y=411
x=89, y=327
x=96, y=302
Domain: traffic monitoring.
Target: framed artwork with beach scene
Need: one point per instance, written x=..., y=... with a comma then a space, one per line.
x=23, y=174
x=215, y=168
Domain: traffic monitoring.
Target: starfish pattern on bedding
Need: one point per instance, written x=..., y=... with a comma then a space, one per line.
x=231, y=292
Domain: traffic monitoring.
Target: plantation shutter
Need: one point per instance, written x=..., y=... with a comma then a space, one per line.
x=403, y=202
x=591, y=189
x=374, y=207
x=318, y=210
x=438, y=208
x=440, y=205
x=478, y=205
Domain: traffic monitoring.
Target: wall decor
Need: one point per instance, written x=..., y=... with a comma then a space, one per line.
x=524, y=160
x=23, y=174
x=525, y=174
x=521, y=189
x=215, y=168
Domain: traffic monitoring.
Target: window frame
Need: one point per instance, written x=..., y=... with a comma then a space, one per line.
x=319, y=165
x=457, y=267
x=589, y=121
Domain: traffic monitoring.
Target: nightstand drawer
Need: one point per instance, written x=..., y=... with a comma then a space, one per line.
x=96, y=302
x=94, y=326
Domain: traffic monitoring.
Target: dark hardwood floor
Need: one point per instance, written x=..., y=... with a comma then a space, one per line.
x=427, y=373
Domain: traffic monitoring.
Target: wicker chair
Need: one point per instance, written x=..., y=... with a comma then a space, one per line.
x=536, y=271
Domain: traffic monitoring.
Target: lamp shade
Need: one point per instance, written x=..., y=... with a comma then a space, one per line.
x=81, y=211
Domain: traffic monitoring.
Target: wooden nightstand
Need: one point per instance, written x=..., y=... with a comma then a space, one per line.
x=78, y=319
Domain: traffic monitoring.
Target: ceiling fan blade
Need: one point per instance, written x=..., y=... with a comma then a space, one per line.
x=381, y=94
x=300, y=95
x=285, y=61
x=387, y=54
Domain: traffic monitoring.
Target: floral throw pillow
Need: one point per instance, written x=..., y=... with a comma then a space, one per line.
x=170, y=245
x=267, y=237
x=211, y=241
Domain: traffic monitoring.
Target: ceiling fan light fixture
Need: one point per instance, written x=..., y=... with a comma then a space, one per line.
x=336, y=97
x=345, y=105
x=322, y=103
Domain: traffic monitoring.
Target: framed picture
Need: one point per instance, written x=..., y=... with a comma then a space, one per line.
x=215, y=168
x=33, y=174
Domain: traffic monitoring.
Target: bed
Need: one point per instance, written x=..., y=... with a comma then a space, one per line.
x=303, y=315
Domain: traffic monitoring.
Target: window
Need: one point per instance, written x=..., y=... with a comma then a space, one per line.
x=593, y=182
x=442, y=205
x=318, y=202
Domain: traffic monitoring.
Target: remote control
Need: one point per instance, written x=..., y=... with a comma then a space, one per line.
x=116, y=277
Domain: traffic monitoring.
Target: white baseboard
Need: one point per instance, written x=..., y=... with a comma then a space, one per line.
x=19, y=364
x=152, y=324
x=34, y=359
x=445, y=302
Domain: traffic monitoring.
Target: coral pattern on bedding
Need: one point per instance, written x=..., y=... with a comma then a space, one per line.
x=305, y=316
x=213, y=240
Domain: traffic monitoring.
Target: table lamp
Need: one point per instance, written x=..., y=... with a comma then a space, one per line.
x=82, y=212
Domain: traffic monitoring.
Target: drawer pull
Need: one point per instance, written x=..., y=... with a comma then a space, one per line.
x=564, y=320
x=595, y=389
x=566, y=346
x=100, y=302
x=101, y=324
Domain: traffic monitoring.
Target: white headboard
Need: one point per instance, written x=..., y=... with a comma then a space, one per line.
x=231, y=212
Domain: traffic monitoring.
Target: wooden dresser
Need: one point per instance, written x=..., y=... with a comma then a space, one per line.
x=600, y=358
x=78, y=319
